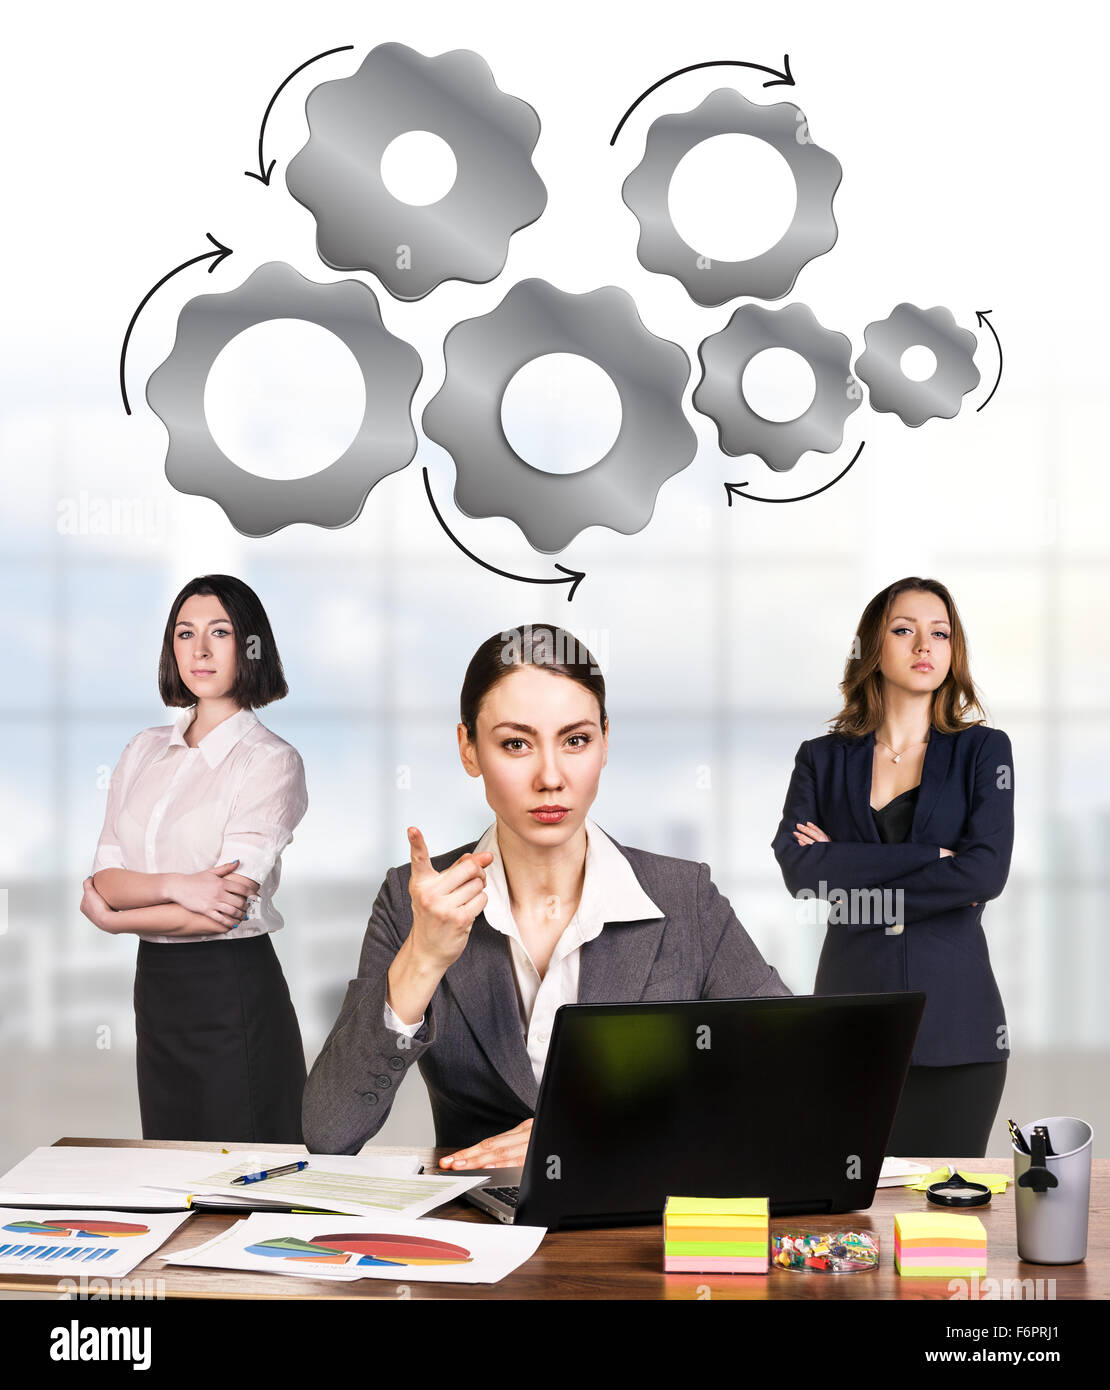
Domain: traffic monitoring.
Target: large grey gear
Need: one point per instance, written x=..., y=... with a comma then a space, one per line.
x=719, y=394
x=655, y=440
x=360, y=225
x=811, y=233
x=880, y=364
x=334, y=496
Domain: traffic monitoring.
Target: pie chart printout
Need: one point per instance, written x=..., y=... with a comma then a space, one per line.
x=91, y=1229
x=364, y=1248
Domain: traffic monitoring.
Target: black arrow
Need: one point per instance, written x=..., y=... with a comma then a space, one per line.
x=785, y=78
x=733, y=489
x=981, y=318
x=263, y=176
x=216, y=257
x=576, y=575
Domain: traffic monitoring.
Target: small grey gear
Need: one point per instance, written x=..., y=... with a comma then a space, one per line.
x=655, y=440
x=772, y=274
x=333, y=496
x=880, y=364
x=719, y=394
x=360, y=225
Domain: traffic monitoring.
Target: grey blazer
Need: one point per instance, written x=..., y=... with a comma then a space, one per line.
x=470, y=1048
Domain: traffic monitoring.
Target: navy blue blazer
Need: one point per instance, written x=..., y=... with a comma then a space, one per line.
x=965, y=804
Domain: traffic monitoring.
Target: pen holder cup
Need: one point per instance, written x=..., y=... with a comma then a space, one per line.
x=1052, y=1220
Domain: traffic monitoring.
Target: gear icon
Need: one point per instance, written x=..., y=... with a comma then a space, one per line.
x=772, y=274
x=650, y=374
x=891, y=390
x=360, y=225
x=334, y=496
x=724, y=357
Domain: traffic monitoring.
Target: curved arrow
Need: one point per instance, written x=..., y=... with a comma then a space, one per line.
x=220, y=254
x=981, y=318
x=785, y=78
x=733, y=489
x=576, y=575
x=266, y=170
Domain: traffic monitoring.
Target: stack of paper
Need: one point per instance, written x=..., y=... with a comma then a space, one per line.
x=715, y=1235
x=942, y=1244
x=141, y=1179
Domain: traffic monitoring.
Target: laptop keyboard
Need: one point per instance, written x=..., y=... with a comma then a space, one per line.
x=509, y=1195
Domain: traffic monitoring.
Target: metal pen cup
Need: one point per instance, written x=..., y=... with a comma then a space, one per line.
x=1052, y=1190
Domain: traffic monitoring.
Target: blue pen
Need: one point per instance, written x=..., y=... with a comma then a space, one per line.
x=272, y=1172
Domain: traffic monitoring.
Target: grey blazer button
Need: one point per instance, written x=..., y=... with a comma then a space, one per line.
x=370, y=1097
x=383, y=1082
x=396, y=1064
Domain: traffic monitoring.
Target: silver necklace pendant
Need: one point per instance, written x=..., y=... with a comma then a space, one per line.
x=897, y=757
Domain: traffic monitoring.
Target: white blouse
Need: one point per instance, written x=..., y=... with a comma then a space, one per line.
x=611, y=892
x=239, y=794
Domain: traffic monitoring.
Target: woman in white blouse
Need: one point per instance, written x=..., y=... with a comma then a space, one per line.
x=189, y=859
x=468, y=955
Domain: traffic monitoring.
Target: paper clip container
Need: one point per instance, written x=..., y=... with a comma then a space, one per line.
x=1052, y=1224
x=716, y=1235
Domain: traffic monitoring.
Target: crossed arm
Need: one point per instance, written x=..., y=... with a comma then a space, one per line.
x=208, y=903
x=268, y=806
x=931, y=880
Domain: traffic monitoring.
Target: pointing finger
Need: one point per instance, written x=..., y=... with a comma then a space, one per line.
x=421, y=860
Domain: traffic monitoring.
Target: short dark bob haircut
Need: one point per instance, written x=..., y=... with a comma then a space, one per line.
x=538, y=644
x=259, y=677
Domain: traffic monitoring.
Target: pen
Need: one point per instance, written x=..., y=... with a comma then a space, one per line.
x=272, y=1172
x=1018, y=1138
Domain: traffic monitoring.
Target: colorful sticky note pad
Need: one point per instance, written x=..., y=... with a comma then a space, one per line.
x=716, y=1235
x=939, y=1244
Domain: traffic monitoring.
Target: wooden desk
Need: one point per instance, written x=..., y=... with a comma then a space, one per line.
x=626, y=1262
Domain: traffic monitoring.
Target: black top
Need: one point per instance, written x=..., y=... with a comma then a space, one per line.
x=893, y=820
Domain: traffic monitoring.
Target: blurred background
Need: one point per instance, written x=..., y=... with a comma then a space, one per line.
x=722, y=630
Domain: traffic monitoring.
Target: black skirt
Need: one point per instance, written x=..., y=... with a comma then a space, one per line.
x=219, y=1053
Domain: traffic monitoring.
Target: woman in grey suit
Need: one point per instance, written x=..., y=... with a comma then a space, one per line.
x=468, y=954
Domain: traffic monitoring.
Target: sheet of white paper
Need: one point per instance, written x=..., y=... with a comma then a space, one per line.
x=899, y=1172
x=334, y=1185
x=121, y=1177
x=185, y=1256
x=81, y=1244
x=378, y=1247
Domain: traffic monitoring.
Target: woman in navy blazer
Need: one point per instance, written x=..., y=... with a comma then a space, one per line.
x=902, y=820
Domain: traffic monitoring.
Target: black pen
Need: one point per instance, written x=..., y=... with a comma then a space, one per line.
x=1018, y=1138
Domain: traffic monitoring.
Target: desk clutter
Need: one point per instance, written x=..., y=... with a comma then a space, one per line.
x=106, y=1209
x=731, y=1235
x=88, y=1209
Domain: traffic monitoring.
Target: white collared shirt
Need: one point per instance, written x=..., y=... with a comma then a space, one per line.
x=611, y=892
x=239, y=794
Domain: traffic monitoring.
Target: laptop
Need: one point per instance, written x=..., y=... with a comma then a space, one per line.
x=792, y=1098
